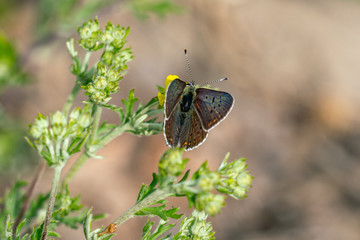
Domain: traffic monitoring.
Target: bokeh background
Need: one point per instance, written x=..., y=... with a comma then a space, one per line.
x=293, y=69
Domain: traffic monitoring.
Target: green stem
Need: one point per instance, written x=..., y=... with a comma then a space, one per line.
x=77, y=86
x=85, y=62
x=151, y=199
x=74, y=169
x=114, y=133
x=95, y=124
x=71, y=98
x=52, y=198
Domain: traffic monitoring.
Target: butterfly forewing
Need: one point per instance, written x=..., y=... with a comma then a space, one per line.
x=173, y=95
x=212, y=106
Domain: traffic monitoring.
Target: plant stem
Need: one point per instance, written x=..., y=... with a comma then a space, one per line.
x=152, y=198
x=114, y=133
x=85, y=62
x=85, y=155
x=74, y=169
x=29, y=193
x=52, y=198
x=77, y=86
x=95, y=124
x=71, y=99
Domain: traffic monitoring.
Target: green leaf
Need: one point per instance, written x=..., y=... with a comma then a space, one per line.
x=147, y=230
x=159, y=211
x=53, y=234
x=161, y=228
x=129, y=104
x=80, y=143
x=161, y=89
x=147, y=190
x=35, y=206
x=11, y=205
x=185, y=176
x=20, y=226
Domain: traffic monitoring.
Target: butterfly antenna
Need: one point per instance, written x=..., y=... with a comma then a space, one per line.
x=219, y=80
x=188, y=65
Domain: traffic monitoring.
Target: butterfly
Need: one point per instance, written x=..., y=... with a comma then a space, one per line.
x=191, y=112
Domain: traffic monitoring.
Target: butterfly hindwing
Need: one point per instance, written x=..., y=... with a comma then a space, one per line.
x=212, y=106
x=196, y=134
x=184, y=129
x=173, y=95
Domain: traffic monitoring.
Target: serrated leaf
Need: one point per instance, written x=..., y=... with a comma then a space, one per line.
x=159, y=211
x=146, y=190
x=154, y=181
x=142, y=192
x=161, y=230
x=129, y=104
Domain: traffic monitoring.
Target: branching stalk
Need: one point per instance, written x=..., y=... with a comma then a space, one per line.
x=151, y=199
x=71, y=98
x=95, y=124
x=85, y=62
x=52, y=199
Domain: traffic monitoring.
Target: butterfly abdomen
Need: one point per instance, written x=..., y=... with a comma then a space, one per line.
x=186, y=102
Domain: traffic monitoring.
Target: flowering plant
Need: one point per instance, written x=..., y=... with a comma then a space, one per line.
x=59, y=136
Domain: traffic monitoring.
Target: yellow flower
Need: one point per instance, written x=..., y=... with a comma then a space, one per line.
x=161, y=94
x=169, y=79
x=161, y=97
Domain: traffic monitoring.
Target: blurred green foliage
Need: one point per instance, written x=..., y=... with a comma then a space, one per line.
x=142, y=9
x=14, y=151
x=10, y=71
x=62, y=15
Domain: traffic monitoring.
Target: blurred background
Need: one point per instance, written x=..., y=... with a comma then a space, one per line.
x=293, y=69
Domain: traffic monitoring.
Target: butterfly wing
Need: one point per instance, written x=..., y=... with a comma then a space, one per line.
x=212, y=106
x=184, y=129
x=173, y=95
x=195, y=134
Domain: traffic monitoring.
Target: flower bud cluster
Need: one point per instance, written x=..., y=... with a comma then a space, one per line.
x=104, y=83
x=113, y=39
x=231, y=179
x=172, y=163
x=195, y=227
x=90, y=35
x=235, y=179
x=51, y=133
